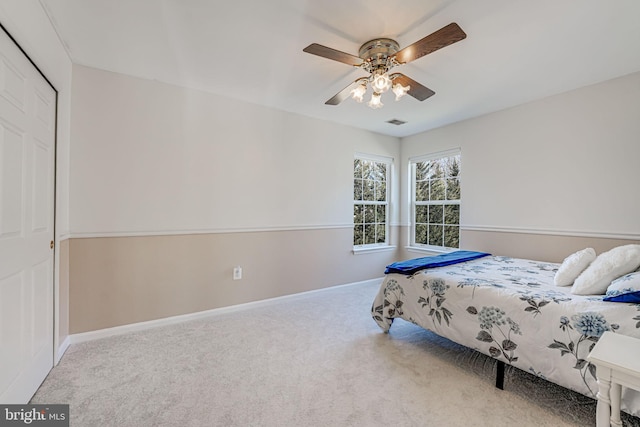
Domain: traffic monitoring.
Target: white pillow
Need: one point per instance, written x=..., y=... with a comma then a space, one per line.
x=572, y=266
x=607, y=266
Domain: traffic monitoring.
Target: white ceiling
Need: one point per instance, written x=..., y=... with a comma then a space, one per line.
x=515, y=51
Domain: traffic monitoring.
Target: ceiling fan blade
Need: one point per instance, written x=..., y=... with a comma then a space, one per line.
x=416, y=90
x=336, y=55
x=343, y=94
x=442, y=38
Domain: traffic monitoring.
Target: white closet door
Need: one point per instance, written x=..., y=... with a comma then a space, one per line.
x=27, y=169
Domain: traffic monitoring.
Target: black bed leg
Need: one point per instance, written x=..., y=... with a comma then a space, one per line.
x=500, y=375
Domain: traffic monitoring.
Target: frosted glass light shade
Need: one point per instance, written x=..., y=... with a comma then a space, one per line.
x=358, y=93
x=400, y=90
x=375, y=101
x=380, y=82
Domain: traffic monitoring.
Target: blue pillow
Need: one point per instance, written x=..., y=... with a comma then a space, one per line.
x=625, y=289
x=632, y=297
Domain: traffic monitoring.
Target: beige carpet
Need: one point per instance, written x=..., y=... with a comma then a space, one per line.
x=317, y=359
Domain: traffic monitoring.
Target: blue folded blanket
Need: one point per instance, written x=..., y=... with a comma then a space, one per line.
x=410, y=266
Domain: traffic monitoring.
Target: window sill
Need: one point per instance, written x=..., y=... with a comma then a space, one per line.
x=370, y=249
x=419, y=249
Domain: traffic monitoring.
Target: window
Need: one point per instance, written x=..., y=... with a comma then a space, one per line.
x=370, y=200
x=436, y=200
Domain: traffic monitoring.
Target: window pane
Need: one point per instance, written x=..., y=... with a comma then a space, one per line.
x=368, y=188
x=380, y=233
x=357, y=168
x=422, y=191
x=435, y=214
x=453, y=189
x=437, y=192
x=435, y=235
x=357, y=189
x=451, y=214
x=421, y=213
x=381, y=191
x=381, y=214
x=367, y=169
x=451, y=236
x=421, y=171
x=369, y=214
x=437, y=169
x=358, y=214
x=369, y=234
x=452, y=168
x=380, y=171
x=421, y=234
x=358, y=235
x=437, y=189
x=370, y=201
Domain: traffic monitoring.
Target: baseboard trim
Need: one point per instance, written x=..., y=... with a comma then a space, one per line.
x=141, y=326
x=62, y=348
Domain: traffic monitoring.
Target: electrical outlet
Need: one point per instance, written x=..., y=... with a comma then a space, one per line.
x=237, y=273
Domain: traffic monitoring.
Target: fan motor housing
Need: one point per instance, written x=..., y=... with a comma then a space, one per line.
x=377, y=51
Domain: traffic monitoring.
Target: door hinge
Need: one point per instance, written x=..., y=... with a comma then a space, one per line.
x=51, y=245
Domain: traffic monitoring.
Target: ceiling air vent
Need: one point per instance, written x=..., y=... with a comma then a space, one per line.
x=396, y=122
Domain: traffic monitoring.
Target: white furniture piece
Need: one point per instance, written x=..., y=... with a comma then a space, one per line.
x=617, y=361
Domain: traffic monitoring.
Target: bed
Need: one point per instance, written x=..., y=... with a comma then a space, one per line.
x=510, y=309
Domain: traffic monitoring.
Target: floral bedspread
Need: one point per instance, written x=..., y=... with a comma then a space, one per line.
x=510, y=309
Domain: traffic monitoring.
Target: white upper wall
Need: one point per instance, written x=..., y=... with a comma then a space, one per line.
x=150, y=157
x=28, y=24
x=567, y=163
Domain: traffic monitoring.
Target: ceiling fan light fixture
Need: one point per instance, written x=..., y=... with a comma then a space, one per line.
x=400, y=90
x=358, y=93
x=375, y=101
x=378, y=56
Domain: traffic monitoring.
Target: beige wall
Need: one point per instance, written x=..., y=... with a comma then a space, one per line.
x=171, y=188
x=122, y=280
x=528, y=245
x=543, y=247
x=62, y=305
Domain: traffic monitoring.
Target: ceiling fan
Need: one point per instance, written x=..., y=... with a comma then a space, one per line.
x=378, y=56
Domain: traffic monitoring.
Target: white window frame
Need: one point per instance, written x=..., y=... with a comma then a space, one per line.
x=413, y=203
x=389, y=163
